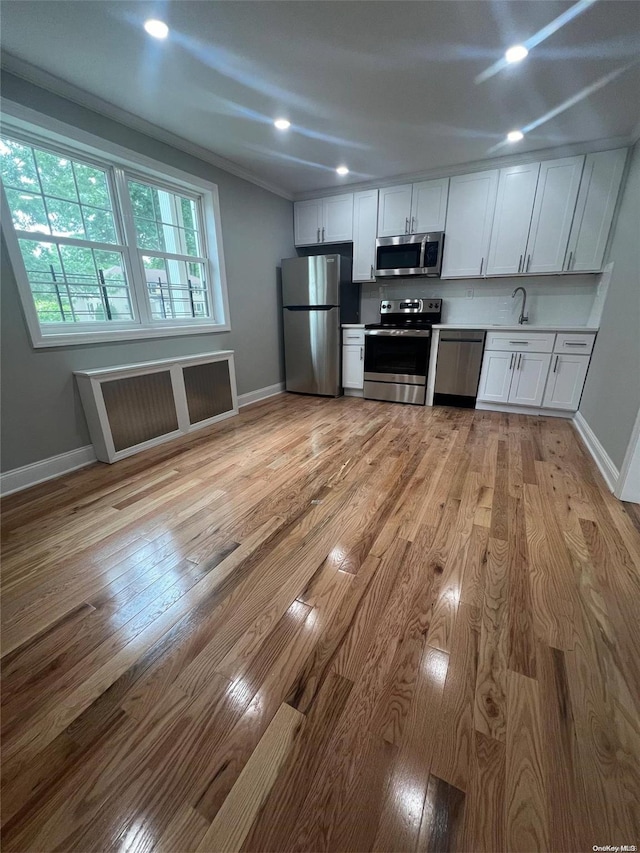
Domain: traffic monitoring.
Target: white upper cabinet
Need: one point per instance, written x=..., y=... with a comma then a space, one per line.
x=472, y=200
x=307, y=222
x=594, y=211
x=512, y=219
x=413, y=208
x=365, y=220
x=394, y=210
x=553, y=211
x=429, y=206
x=337, y=218
x=323, y=220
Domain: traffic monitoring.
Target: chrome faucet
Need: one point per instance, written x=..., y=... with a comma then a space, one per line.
x=523, y=318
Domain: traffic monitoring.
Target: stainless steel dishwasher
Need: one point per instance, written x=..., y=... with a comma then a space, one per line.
x=458, y=367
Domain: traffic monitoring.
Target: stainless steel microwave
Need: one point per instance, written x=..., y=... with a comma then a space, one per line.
x=409, y=254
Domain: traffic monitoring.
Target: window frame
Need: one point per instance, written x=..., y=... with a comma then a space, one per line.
x=121, y=164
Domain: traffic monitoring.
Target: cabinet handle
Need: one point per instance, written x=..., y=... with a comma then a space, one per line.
x=555, y=366
x=318, y=240
x=406, y=225
x=413, y=230
x=361, y=353
x=519, y=360
x=323, y=233
x=528, y=262
x=574, y=344
x=481, y=265
x=520, y=264
x=511, y=362
x=570, y=258
x=372, y=276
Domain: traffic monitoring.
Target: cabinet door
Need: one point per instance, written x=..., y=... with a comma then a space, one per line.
x=307, y=222
x=495, y=377
x=429, y=206
x=566, y=381
x=365, y=220
x=337, y=218
x=472, y=200
x=512, y=218
x=530, y=372
x=553, y=212
x=353, y=367
x=394, y=211
x=594, y=211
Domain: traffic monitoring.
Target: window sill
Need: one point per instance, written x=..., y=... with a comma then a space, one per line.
x=113, y=335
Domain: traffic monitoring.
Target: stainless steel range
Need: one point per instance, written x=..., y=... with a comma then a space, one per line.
x=396, y=350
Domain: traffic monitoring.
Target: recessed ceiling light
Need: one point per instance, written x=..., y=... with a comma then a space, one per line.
x=157, y=29
x=342, y=170
x=516, y=53
x=515, y=135
x=282, y=123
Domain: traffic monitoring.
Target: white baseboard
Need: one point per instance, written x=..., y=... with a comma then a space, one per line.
x=597, y=451
x=47, y=469
x=523, y=410
x=260, y=394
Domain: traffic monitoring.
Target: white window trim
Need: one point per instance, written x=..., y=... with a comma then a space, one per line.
x=42, y=129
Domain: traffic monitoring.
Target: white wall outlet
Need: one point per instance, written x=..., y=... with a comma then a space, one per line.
x=470, y=293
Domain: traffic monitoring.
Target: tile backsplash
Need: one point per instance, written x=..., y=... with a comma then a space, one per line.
x=552, y=300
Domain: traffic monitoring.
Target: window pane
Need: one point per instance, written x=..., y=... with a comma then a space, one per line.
x=99, y=225
x=73, y=284
x=165, y=221
x=56, y=175
x=18, y=167
x=64, y=197
x=27, y=211
x=177, y=289
x=65, y=219
x=92, y=186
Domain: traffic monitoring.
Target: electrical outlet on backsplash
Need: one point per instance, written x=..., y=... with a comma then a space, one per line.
x=552, y=300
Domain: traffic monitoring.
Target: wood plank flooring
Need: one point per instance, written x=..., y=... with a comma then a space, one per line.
x=332, y=625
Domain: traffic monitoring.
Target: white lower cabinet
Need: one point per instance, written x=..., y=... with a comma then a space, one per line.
x=353, y=366
x=495, y=378
x=534, y=378
x=530, y=371
x=566, y=381
x=513, y=377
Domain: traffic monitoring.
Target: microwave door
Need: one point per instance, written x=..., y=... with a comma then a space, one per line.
x=398, y=259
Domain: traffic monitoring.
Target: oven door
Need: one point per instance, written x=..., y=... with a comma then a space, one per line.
x=397, y=355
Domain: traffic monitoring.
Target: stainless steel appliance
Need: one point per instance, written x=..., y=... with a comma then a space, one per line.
x=458, y=367
x=396, y=350
x=409, y=254
x=317, y=296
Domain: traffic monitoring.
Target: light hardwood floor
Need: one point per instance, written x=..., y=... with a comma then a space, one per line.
x=325, y=625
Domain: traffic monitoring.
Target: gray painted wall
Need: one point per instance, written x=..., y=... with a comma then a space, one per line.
x=611, y=397
x=42, y=413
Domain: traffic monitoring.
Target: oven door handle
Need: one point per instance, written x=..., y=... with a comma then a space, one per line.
x=399, y=333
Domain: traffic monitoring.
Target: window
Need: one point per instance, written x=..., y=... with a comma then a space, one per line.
x=104, y=250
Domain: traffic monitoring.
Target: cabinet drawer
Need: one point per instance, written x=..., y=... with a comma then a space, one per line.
x=520, y=341
x=578, y=343
x=352, y=336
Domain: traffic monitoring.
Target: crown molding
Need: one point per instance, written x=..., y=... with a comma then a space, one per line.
x=568, y=150
x=43, y=79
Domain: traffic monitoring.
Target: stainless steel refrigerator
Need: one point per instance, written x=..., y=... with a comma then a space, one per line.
x=317, y=296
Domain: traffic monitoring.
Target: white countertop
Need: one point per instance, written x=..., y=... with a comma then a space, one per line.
x=353, y=325
x=515, y=328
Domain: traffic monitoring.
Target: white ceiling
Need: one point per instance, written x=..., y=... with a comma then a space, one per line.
x=387, y=87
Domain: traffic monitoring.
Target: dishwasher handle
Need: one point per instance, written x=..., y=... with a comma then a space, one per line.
x=462, y=340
